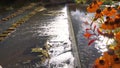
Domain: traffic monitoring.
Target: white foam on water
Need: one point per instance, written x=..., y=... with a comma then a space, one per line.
x=64, y=60
x=60, y=52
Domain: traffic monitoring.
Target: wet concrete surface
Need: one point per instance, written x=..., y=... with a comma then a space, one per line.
x=50, y=24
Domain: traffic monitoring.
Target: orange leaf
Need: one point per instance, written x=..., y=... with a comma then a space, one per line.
x=94, y=28
x=87, y=29
x=100, y=32
x=87, y=35
x=91, y=41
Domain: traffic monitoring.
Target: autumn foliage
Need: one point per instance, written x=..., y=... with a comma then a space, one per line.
x=108, y=27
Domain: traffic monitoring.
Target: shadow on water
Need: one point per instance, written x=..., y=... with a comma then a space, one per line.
x=87, y=53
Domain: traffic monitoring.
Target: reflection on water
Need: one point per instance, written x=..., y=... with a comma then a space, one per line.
x=81, y=20
x=60, y=51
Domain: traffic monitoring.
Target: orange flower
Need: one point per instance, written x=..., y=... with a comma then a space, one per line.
x=101, y=63
x=117, y=47
x=117, y=16
x=93, y=6
x=109, y=20
x=109, y=57
x=99, y=2
x=109, y=11
x=117, y=19
x=115, y=26
x=110, y=27
x=117, y=50
x=91, y=9
x=103, y=26
x=117, y=37
x=98, y=14
x=116, y=65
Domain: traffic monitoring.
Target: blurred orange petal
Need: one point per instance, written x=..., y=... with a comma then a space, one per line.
x=87, y=35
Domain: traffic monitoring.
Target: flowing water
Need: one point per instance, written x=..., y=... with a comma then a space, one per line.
x=49, y=26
